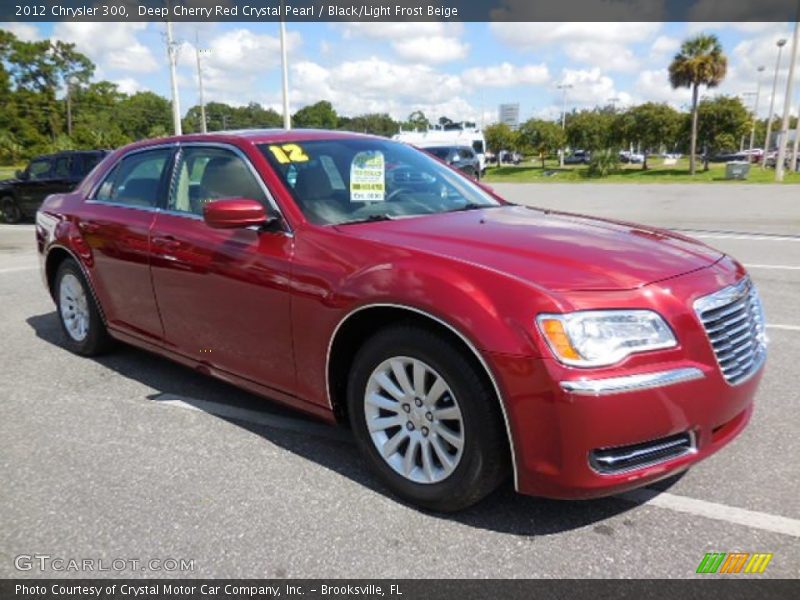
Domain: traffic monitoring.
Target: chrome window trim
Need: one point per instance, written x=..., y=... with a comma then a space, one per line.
x=630, y=383
x=460, y=335
x=90, y=197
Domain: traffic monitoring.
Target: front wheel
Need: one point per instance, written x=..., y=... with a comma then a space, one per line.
x=426, y=419
x=10, y=209
x=78, y=314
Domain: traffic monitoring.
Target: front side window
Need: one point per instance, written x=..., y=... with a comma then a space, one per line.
x=204, y=174
x=136, y=179
x=477, y=145
x=340, y=181
x=39, y=169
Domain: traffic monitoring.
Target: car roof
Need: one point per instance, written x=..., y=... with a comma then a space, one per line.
x=259, y=136
x=68, y=152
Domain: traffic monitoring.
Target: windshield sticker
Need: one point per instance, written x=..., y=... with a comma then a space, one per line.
x=367, y=177
x=288, y=153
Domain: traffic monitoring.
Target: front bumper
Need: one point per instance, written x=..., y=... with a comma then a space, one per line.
x=558, y=432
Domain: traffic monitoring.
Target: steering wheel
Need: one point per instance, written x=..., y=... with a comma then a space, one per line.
x=396, y=192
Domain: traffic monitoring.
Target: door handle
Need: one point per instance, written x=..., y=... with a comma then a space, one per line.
x=167, y=243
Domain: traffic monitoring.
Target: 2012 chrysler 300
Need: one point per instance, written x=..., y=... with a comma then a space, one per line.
x=465, y=339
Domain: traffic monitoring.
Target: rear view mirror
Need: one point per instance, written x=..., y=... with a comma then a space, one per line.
x=234, y=213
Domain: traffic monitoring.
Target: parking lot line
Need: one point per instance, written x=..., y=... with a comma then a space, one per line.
x=776, y=267
x=683, y=504
x=713, y=510
x=784, y=327
x=253, y=416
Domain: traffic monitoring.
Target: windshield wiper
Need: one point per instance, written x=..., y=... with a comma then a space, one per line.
x=472, y=206
x=369, y=219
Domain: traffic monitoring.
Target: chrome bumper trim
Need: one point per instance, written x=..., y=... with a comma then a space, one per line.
x=630, y=383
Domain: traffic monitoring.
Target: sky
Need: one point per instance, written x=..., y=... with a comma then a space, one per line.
x=460, y=70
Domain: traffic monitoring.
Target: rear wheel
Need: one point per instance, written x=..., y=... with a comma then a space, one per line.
x=426, y=419
x=78, y=314
x=10, y=209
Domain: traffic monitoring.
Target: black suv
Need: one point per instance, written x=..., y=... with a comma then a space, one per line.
x=45, y=175
x=462, y=158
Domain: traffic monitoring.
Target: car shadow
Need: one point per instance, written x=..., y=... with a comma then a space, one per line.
x=333, y=448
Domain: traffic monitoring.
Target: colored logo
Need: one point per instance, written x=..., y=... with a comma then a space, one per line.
x=734, y=562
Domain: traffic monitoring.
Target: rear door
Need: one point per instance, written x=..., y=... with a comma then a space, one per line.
x=223, y=294
x=115, y=222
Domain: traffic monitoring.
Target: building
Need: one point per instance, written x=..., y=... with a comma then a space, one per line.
x=509, y=114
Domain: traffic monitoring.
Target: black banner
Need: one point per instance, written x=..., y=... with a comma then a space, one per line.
x=732, y=588
x=399, y=10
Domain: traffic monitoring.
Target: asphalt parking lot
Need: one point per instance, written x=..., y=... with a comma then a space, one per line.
x=129, y=456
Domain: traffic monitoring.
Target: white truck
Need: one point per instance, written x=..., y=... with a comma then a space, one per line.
x=439, y=136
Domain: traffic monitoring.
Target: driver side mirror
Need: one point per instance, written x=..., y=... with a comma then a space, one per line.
x=23, y=175
x=236, y=213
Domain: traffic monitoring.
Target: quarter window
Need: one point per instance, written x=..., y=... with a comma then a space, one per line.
x=136, y=179
x=205, y=174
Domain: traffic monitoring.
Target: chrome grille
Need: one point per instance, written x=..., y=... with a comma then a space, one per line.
x=636, y=456
x=734, y=321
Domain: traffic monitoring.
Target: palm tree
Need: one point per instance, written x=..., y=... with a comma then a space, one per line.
x=699, y=62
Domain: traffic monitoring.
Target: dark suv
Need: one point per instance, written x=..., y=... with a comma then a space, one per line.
x=50, y=174
x=462, y=158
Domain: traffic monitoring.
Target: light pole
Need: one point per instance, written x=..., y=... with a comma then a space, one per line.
x=787, y=102
x=172, y=55
x=198, y=51
x=755, y=115
x=563, y=87
x=780, y=43
x=287, y=119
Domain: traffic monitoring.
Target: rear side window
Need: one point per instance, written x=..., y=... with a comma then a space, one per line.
x=477, y=145
x=61, y=167
x=136, y=179
x=204, y=174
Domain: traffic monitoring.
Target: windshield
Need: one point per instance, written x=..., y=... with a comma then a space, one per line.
x=351, y=180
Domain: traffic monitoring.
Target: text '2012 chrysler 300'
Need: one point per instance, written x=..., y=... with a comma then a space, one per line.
x=464, y=339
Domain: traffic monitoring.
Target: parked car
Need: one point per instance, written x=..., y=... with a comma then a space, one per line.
x=579, y=157
x=462, y=158
x=49, y=174
x=627, y=156
x=463, y=338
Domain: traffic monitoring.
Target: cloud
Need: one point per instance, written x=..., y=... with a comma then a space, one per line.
x=506, y=75
x=591, y=87
x=376, y=85
x=532, y=36
x=664, y=46
x=428, y=43
x=27, y=32
x=128, y=85
x=111, y=46
x=653, y=86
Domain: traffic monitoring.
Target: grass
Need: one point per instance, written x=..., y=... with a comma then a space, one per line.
x=7, y=172
x=532, y=172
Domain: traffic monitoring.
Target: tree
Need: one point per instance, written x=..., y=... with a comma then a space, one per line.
x=500, y=136
x=652, y=125
x=723, y=122
x=542, y=137
x=417, y=120
x=373, y=123
x=700, y=61
x=589, y=129
x=316, y=116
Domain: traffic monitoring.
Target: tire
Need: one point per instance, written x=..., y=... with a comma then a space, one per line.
x=453, y=477
x=84, y=331
x=11, y=211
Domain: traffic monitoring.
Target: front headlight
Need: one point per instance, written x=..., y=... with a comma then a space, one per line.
x=598, y=338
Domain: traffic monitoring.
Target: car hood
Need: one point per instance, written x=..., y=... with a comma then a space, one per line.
x=558, y=251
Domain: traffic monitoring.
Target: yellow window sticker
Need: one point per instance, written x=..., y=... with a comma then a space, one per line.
x=288, y=153
x=368, y=177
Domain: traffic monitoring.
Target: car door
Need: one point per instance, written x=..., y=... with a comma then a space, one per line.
x=115, y=223
x=32, y=189
x=223, y=294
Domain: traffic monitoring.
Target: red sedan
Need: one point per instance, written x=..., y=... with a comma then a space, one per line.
x=464, y=339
